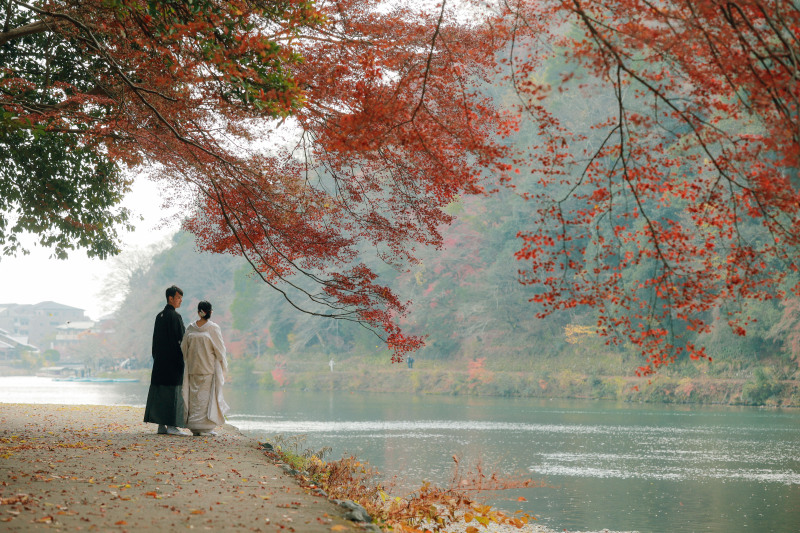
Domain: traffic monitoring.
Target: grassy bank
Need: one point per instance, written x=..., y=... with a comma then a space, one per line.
x=702, y=383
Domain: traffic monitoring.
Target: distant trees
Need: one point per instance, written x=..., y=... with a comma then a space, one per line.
x=483, y=313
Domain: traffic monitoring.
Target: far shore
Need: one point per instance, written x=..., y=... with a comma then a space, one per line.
x=699, y=390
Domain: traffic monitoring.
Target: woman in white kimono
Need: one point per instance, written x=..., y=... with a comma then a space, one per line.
x=204, y=354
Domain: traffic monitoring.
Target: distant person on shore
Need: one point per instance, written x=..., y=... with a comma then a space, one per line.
x=204, y=353
x=164, y=399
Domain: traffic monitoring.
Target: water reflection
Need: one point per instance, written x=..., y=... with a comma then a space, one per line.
x=624, y=467
x=30, y=389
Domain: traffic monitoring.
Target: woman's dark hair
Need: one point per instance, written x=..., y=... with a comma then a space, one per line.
x=205, y=307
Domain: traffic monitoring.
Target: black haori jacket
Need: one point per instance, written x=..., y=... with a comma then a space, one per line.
x=167, y=355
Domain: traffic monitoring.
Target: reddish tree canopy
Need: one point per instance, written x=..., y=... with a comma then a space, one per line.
x=387, y=127
x=680, y=196
x=676, y=198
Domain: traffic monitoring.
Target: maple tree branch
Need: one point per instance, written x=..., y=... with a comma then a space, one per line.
x=731, y=19
x=765, y=59
x=568, y=195
x=429, y=60
x=518, y=90
x=689, y=120
x=426, y=73
x=226, y=214
x=92, y=41
x=342, y=195
x=335, y=37
x=9, y=14
x=626, y=173
x=620, y=127
x=718, y=57
x=731, y=182
x=264, y=227
x=233, y=221
x=23, y=31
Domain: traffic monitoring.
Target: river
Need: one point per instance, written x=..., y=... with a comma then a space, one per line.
x=650, y=468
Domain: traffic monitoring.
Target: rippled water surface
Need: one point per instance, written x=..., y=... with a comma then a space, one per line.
x=617, y=466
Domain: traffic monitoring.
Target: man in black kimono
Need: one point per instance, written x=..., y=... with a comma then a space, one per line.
x=164, y=399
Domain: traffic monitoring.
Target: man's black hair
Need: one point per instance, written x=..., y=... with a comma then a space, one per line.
x=172, y=291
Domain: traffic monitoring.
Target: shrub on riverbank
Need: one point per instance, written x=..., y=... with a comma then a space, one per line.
x=429, y=508
x=762, y=388
x=725, y=383
x=565, y=384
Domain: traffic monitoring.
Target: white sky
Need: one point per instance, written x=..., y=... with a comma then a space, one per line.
x=78, y=281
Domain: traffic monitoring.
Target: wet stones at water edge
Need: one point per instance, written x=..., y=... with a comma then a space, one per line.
x=355, y=512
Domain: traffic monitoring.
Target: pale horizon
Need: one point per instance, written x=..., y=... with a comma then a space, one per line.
x=79, y=281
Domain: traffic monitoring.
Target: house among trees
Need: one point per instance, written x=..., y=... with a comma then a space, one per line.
x=12, y=346
x=37, y=325
x=70, y=335
x=72, y=332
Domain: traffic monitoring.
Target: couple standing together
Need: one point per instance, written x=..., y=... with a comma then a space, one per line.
x=188, y=371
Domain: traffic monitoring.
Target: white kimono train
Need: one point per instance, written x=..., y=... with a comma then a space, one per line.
x=204, y=354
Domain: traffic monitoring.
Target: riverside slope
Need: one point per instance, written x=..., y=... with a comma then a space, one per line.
x=100, y=468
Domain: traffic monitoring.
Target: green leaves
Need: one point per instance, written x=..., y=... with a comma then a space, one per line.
x=64, y=193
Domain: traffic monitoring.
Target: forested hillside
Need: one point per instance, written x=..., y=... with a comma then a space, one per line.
x=482, y=333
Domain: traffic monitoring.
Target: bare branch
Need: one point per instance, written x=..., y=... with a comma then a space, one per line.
x=28, y=29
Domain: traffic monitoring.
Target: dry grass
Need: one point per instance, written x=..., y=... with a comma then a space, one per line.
x=427, y=509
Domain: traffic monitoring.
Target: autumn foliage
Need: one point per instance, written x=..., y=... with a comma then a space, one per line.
x=679, y=199
x=311, y=136
x=430, y=508
x=384, y=127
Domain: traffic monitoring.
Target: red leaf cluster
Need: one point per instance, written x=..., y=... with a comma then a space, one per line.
x=379, y=104
x=681, y=196
x=313, y=133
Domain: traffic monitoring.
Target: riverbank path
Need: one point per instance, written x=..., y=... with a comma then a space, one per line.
x=99, y=468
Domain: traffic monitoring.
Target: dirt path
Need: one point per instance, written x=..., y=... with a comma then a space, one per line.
x=97, y=468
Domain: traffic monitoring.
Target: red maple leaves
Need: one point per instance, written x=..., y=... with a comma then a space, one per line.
x=316, y=136
x=679, y=199
x=391, y=130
